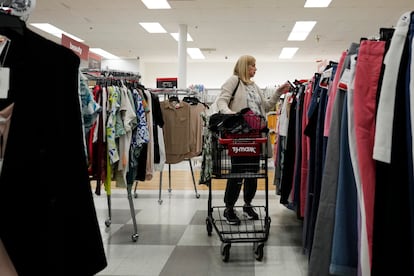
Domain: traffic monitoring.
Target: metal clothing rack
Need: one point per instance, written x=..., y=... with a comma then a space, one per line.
x=167, y=92
x=197, y=195
x=108, y=221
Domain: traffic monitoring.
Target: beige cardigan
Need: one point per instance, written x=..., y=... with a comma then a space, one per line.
x=240, y=100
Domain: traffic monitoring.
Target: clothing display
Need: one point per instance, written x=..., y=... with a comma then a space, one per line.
x=182, y=129
x=350, y=159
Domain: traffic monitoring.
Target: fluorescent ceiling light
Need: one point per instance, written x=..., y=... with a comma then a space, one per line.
x=48, y=28
x=103, y=53
x=153, y=27
x=177, y=36
x=195, y=53
x=156, y=4
x=317, y=3
x=288, y=52
x=301, y=30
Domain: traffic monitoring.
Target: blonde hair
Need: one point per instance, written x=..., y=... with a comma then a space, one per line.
x=241, y=69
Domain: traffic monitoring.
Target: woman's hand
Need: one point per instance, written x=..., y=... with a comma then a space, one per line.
x=284, y=88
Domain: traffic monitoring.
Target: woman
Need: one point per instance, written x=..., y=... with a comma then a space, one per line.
x=248, y=94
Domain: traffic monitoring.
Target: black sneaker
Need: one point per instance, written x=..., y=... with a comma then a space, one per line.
x=249, y=212
x=231, y=216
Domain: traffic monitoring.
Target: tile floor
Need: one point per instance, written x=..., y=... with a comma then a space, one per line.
x=173, y=240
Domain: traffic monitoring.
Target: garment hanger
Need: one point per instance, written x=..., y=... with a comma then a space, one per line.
x=173, y=98
x=194, y=101
x=191, y=100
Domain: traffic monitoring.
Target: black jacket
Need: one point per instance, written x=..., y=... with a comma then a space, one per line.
x=48, y=222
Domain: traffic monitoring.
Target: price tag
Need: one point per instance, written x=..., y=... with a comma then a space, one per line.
x=345, y=79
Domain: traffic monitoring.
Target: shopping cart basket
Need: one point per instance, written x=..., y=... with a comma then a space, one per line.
x=225, y=148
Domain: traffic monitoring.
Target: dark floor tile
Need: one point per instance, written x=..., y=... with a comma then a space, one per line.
x=207, y=260
x=157, y=234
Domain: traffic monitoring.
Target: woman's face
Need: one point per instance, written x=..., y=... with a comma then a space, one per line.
x=252, y=70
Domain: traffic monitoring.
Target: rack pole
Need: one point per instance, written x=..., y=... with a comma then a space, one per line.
x=134, y=236
x=194, y=182
x=197, y=195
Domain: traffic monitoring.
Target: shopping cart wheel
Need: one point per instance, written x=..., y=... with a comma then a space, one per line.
x=209, y=226
x=258, y=252
x=225, y=251
x=134, y=237
x=108, y=222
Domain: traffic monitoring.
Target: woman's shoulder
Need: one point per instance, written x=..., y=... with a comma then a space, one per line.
x=232, y=80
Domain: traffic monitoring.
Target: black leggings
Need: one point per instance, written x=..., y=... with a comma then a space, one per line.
x=233, y=187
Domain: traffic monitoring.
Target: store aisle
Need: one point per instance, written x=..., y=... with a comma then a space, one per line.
x=173, y=238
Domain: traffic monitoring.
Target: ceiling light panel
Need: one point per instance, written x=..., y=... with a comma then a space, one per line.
x=288, y=52
x=317, y=3
x=301, y=30
x=50, y=29
x=153, y=27
x=176, y=36
x=195, y=53
x=156, y=4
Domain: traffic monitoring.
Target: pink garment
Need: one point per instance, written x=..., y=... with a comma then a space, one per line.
x=332, y=92
x=367, y=74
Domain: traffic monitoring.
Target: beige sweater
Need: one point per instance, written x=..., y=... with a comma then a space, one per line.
x=240, y=99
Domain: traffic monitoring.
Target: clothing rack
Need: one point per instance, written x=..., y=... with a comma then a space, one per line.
x=105, y=76
x=168, y=93
x=197, y=195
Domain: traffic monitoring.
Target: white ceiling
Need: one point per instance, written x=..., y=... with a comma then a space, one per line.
x=224, y=28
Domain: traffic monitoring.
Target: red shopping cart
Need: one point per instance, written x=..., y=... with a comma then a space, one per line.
x=227, y=146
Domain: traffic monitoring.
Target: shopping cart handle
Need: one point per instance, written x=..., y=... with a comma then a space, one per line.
x=226, y=141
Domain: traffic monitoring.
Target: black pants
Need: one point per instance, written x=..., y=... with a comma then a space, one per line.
x=242, y=165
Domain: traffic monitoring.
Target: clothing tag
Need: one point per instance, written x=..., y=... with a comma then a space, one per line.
x=345, y=79
x=4, y=82
x=405, y=19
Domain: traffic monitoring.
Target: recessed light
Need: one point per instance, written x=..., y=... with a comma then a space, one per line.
x=153, y=27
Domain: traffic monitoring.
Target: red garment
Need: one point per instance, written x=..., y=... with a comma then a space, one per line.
x=97, y=149
x=367, y=75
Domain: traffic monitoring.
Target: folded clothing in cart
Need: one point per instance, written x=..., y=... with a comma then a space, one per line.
x=229, y=123
x=241, y=122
